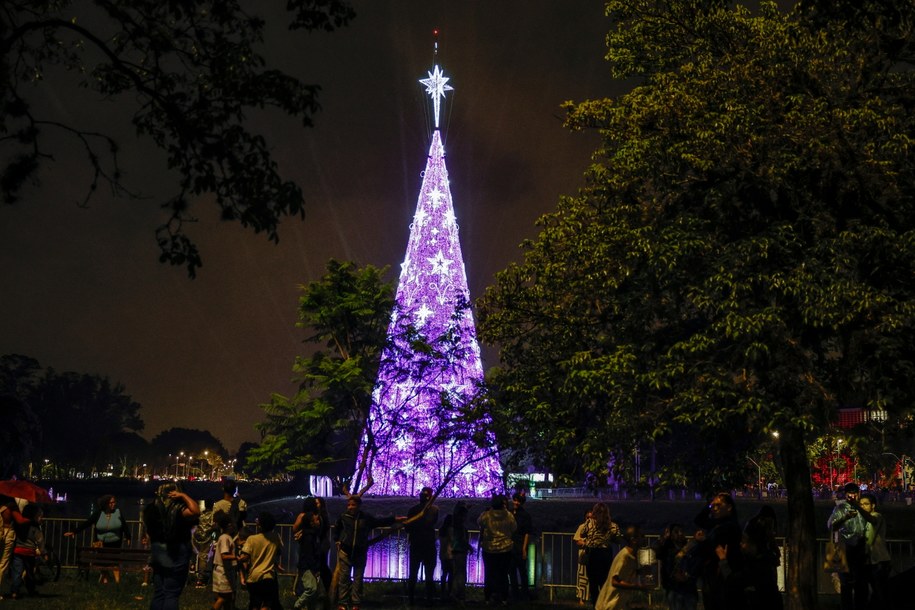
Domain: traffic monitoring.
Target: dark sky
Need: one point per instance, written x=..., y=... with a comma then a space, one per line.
x=82, y=289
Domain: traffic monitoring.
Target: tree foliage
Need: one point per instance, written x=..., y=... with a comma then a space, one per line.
x=352, y=320
x=192, y=71
x=74, y=420
x=193, y=449
x=741, y=260
x=345, y=314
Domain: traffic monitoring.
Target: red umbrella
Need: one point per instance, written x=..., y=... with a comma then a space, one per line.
x=24, y=490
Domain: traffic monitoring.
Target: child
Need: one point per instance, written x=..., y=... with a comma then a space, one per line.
x=29, y=545
x=261, y=555
x=224, y=562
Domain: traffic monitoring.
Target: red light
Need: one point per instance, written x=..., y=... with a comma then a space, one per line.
x=435, y=32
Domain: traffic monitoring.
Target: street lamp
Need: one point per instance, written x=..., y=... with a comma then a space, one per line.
x=901, y=468
x=758, y=477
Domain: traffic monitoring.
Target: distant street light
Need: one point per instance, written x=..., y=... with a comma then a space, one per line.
x=758, y=477
x=901, y=461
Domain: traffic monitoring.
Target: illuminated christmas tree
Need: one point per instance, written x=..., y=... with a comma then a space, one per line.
x=431, y=369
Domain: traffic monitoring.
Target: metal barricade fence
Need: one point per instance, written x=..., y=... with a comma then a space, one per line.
x=552, y=560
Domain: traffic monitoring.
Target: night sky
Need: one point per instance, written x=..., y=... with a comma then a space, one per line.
x=82, y=289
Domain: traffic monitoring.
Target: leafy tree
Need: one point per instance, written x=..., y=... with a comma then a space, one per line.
x=80, y=416
x=71, y=419
x=346, y=312
x=241, y=457
x=193, y=73
x=128, y=452
x=18, y=436
x=18, y=375
x=186, y=446
x=741, y=259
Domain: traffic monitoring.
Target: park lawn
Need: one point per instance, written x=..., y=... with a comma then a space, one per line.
x=71, y=593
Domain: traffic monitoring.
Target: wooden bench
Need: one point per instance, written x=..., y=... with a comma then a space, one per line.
x=99, y=558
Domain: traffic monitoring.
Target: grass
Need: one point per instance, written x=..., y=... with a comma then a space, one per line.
x=71, y=593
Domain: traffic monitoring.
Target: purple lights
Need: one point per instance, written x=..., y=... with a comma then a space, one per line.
x=416, y=435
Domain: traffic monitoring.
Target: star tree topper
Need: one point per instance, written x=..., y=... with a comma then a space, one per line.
x=436, y=85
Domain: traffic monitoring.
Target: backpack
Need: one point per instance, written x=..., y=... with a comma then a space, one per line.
x=162, y=521
x=205, y=532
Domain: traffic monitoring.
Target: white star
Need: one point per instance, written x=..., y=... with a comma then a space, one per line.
x=469, y=469
x=436, y=196
x=436, y=85
x=440, y=264
x=422, y=314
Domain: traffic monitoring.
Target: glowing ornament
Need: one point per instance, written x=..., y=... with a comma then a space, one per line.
x=436, y=85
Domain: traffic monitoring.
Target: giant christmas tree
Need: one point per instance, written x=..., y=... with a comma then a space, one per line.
x=418, y=433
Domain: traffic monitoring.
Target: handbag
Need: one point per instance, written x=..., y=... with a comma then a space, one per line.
x=835, y=560
x=583, y=556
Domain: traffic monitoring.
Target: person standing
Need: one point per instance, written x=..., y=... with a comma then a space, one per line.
x=497, y=525
x=581, y=580
x=621, y=588
x=446, y=556
x=224, y=563
x=521, y=539
x=460, y=548
x=168, y=522
x=29, y=546
x=678, y=577
x=10, y=516
x=261, y=555
x=847, y=523
x=324, y=541
x=203, y=540
x=599, y=535
x=762, y=552
x=111, y=530
x=351, y=534
x=420, y=524
x=232, y=504
x=879, y=561
x=307, y=530
x=720, y=527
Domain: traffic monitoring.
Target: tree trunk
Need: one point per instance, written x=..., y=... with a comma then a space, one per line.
x=801, y=569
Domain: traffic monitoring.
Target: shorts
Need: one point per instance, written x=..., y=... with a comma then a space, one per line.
x=221, y=582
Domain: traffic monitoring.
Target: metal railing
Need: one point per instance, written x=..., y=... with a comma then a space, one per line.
x=553, y=556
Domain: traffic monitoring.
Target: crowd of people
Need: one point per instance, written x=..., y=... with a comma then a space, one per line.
x=732, y=566
x=504, y=536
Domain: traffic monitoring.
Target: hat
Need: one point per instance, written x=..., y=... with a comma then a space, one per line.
x=851, y=488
